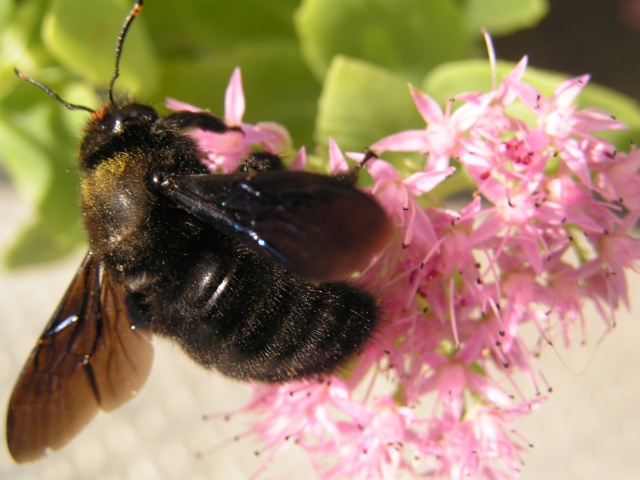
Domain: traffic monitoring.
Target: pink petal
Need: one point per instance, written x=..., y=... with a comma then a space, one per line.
x=568, y=90
x=178, y=106
x=596, y=120
x=465, y=116
x=234, y=103
x=406, y=141
x=573, y=156
x=527, y=94
x=422, y=182
x=300, y=161
x=381, y=170
x=518, y=71
x=337, y=163
x=427, y=106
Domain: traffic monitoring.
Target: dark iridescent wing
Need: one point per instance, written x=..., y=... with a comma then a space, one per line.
x=314, y=225
x=89, y=357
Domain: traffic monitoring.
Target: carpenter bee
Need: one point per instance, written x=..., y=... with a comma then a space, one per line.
x=245, y=271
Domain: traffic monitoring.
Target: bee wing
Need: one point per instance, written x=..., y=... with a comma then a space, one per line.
x=314, y=225
x=89, y=357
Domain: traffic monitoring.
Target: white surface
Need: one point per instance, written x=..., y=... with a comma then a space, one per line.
x=590, y=428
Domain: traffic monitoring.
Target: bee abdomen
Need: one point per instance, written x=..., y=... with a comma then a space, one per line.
x=303, y=335
x=257, y=321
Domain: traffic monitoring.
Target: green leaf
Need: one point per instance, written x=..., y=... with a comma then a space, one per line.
x=361, y=103
x=405, y=36
x=38, y=141
x=20, y=38
x=502, y=17
x=24, y=161
x=56, y=229
x=81, y=35
x=6, y=13
x=205, y=27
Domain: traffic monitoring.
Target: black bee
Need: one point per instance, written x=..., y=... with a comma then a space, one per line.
x=245, y=271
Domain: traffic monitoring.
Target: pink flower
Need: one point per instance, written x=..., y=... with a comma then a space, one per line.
x=469, y=447
x=397, y=195
x=618, y=180
x=224, y=149
x=564, y=125
x=544, y=230
x=444, y=136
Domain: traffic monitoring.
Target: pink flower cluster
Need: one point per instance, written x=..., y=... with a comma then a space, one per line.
x=545, y=228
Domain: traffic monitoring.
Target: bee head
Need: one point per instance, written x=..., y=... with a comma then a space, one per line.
x=113, y=129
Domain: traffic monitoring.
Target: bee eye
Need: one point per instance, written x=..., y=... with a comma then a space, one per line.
x=134, y=113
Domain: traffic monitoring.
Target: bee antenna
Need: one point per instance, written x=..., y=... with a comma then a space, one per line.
x=51, y=93
x=137, y=8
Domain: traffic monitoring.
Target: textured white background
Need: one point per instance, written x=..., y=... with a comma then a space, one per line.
x=590, y=428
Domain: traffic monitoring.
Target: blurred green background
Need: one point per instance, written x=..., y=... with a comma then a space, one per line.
x=318, y=67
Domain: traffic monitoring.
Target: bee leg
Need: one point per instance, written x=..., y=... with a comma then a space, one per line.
x=350, y=177
x=202, y=120
x=264, y=161
x=259, y=162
